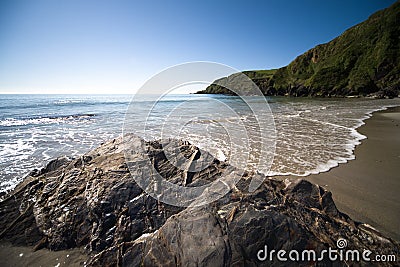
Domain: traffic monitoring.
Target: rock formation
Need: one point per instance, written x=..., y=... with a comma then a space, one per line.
x=94, y=202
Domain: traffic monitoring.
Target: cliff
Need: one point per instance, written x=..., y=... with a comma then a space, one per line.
x=364, y=60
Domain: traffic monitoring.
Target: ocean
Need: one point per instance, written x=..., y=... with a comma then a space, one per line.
x=309, y=135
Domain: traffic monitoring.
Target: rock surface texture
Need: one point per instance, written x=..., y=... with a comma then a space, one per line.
x=94, y=202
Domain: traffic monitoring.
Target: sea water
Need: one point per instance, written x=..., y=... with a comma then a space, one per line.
x=310, y=135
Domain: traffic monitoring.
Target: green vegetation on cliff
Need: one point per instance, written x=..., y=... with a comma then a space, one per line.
x=261, y=78
x=365, y=59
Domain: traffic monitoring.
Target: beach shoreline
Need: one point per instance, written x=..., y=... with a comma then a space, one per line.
x=367, y=188
x=354, y=186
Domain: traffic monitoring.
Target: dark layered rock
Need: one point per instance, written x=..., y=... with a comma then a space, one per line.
x=94, y=202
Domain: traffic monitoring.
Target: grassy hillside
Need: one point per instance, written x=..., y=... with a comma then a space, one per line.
x=365, y=59
x=261, y=78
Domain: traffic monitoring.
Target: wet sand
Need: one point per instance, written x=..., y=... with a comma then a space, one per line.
x=25, y=256
x=368, y=188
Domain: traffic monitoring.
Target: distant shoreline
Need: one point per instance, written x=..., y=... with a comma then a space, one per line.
x=371, y=96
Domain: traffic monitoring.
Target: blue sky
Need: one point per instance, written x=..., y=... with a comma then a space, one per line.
x=50, y=46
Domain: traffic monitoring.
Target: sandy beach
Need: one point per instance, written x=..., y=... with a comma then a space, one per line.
x=25, y=256
x=367, y=188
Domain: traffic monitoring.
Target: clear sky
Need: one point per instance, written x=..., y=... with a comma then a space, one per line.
x=83, y=46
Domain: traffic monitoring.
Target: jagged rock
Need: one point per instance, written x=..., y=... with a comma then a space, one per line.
x=192, y=237
x=94, y=202
x=388, y=92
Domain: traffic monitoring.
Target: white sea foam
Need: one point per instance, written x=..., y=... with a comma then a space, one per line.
x=10, y=122
x=67, y=101
x=344, y=151
x=313, y=136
